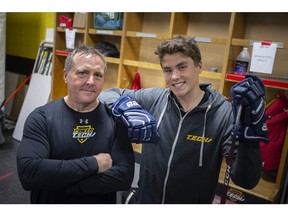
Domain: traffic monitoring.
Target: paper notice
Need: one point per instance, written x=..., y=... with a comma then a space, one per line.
x=70, y=38
x=263, y=56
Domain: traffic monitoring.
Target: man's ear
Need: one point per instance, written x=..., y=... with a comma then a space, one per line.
x=65, y=76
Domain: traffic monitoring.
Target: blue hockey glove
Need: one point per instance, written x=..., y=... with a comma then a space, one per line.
x=142, y=127
x=250, y=94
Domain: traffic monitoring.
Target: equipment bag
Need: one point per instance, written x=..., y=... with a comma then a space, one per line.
x=277, y=120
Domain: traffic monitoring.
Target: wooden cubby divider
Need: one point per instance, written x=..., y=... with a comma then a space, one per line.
x=220, y=36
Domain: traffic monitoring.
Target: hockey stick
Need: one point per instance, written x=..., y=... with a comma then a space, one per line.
x=230, y=157
x=15, y=91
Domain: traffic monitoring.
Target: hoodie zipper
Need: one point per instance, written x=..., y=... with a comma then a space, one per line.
x=175, y=142
x=172, y=151
x=170, y=160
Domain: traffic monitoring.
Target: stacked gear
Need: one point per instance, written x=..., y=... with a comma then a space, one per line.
x=277, y=121
x=107, y=49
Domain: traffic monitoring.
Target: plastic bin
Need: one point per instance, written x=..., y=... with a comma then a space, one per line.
x=108, y=20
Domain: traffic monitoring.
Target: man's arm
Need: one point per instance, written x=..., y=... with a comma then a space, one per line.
x=36, y=170
x=109, y=96
x=119, y=177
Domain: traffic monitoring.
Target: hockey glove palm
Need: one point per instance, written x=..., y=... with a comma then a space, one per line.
x=141, y=124
x=250, y=94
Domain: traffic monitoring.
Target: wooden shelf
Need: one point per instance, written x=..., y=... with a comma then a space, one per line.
x=61, y=53
x=220, y=37
x=211, y=40
x=211, y=75
x=147, y=35
x=247, y=43
x=112, y=60
x=269, y=81
x=264, y=190
x=105, y=32
x=108, y=59
x=78, y=31
x=142, y=64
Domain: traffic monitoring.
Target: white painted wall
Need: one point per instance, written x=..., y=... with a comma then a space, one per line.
x=2, y=55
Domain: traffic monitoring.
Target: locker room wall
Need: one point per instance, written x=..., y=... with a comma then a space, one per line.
x=2, y=55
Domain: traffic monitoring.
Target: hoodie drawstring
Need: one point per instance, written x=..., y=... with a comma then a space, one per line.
x=203, y=136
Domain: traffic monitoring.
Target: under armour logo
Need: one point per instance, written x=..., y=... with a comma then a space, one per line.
x=83, y=121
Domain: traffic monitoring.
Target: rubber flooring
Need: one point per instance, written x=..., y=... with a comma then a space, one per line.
x=11, y=190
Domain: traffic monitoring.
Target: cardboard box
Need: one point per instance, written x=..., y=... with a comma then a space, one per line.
x=79, y=20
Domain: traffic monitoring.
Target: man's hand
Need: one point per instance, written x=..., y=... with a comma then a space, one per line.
x=250, y=94
x=104, y=161
x=142, y=127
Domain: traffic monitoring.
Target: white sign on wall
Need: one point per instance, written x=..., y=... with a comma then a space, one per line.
x=263, y=55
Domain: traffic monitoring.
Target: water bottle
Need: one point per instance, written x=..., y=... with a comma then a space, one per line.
x=242, y=62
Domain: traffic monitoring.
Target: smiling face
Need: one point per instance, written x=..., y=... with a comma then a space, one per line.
x=84, y=81
x=181, y=74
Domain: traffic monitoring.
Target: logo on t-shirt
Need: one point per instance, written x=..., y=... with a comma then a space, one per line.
x=82, y=133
